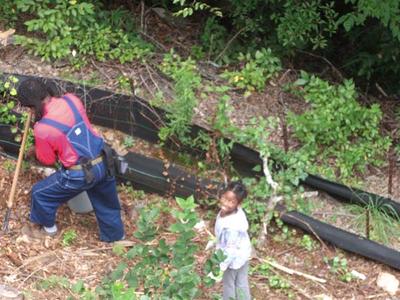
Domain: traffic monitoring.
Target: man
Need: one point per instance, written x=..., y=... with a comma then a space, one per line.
x=64, y=134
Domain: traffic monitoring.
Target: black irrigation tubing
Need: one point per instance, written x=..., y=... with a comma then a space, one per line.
x=135, y=116
x=152, y=175
x=342, y=239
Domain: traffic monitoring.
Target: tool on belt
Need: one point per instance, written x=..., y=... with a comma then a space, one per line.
x=115, y=164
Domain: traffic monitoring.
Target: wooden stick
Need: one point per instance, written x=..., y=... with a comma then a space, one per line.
x=19, y=162
x=291, y=271
x=10, y=200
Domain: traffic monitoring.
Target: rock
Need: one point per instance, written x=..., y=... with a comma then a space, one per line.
x=358, y=275
x=8, y=293
x=388, y=282
x=5, y=37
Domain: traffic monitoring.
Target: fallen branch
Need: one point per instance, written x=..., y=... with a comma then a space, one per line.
x=292, y=285
x=229, y=43
x=291, y=271
x=312, y=230
x=273, y=201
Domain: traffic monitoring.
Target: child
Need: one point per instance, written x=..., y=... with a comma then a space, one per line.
x=232, y=238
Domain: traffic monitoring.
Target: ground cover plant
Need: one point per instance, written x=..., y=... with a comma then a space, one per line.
x=183, y=68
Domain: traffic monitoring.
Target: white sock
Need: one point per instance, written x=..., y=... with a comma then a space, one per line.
x=51, y=229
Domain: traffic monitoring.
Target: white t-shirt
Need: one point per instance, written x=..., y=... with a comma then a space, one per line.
x=233, y=239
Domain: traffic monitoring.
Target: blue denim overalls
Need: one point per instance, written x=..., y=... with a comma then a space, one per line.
x=50, y=193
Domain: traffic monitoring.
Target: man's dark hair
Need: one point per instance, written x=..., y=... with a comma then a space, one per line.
x=31, y=93
x=238, y=189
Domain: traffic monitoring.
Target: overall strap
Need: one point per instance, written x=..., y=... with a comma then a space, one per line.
x=77, y=115
x=64, y=128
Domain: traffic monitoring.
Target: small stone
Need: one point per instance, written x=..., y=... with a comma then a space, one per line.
x=388, y=282
x=358, y=275
x=8, y=293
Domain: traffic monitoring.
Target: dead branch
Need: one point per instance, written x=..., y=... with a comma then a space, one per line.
x=291, y=271
x=229, y=43
x=294, y=286
x=271, y=205
x=154, y=41
x=335, y=70
x=101, y=70
x=312, y=231
x=35, y=271
x=149, y=69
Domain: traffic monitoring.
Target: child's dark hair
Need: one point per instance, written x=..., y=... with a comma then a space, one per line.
x=238, y=188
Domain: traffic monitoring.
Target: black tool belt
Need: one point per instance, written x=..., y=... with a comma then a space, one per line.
x=93, y=162
x=85, y=164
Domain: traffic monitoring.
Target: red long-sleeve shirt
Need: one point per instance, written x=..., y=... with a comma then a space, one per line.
x=50, y=143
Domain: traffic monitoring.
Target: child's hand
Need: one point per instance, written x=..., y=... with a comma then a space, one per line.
x=210, y=245
x=218, y=277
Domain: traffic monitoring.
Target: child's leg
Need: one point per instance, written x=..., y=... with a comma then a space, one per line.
x=229, y=284
x=242, y=283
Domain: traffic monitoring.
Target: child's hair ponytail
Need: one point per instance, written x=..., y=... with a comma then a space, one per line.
x=238, y=188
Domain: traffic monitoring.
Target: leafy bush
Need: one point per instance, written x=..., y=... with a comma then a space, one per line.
x=8, y=13
x=213, y=38
x=337, y=129
x=181, y=110
x=306, y=22
x=8, y=93
x=162, y=269
x=65, y=29
x=255, y=72
x=187, y=9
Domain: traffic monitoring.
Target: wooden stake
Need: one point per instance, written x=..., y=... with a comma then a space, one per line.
x=10, y=200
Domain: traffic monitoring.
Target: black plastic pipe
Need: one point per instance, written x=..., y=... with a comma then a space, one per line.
x=342, y=239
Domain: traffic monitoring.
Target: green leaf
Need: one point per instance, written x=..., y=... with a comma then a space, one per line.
x=78, y=287
x=300, y=82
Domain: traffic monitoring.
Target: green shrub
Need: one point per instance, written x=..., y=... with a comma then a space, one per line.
x=181, y=110
x=8, y=93
x=187, y=9
x=72, y=30
x=161, y=269
x=306, y=23
x=256, y=71
x=337, y=129
x=213, y=39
